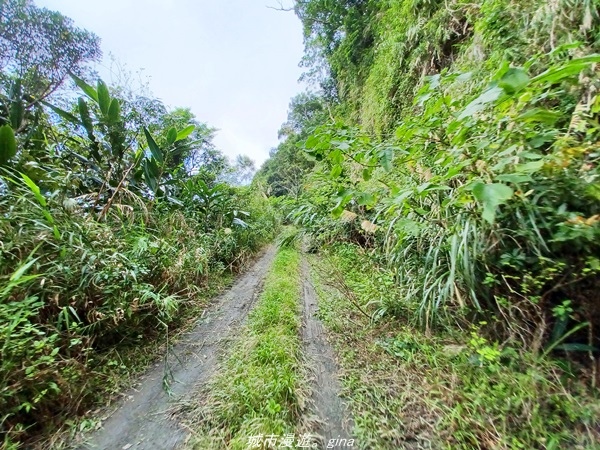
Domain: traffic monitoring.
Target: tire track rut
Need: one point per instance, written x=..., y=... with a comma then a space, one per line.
x=145, y=419
x=333, y=420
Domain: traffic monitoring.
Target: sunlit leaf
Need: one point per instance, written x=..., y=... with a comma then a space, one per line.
x=34, y=189
x=185, y=132
x=171, y=136
x=336, y=171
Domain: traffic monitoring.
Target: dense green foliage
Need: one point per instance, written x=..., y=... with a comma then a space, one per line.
x=463, y=147
x=115, y=218
x=453, y=390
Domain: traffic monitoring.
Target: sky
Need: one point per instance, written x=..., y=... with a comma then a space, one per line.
x=233, y=62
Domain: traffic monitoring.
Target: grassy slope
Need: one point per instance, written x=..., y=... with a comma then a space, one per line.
x=259, y=390
x=448, y=391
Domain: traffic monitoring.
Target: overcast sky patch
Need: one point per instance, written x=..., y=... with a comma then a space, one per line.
x=233, y=62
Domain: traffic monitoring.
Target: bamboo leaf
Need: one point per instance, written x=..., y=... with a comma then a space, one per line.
x=103, y=97
x=571, y=68
x=154, y=149
x=35, y=189
x=62, y=113
x=114, y=111
x=185, y=132
x=172, y=136
x=86, y=88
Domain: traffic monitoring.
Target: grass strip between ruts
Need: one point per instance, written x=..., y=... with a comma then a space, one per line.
x=259, y=390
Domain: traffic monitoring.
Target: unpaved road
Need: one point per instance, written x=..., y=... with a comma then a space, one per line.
x=145, y=419
x=332, y=417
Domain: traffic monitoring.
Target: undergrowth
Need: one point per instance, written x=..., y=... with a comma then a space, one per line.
x=455, y=389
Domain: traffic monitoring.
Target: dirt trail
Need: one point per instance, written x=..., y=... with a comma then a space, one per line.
x=145, y=420
x=334, y=420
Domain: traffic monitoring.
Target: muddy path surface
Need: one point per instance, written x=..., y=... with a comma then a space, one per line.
x=333, y=419
x=145, y=419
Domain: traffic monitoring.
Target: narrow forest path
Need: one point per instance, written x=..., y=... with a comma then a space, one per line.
x=145, y=419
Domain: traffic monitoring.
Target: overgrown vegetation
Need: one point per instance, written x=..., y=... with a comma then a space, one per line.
x=259, y=391
x=451, y=146
x=115, y=218
x=484, y=198
x=457, y=142
x=449, y=390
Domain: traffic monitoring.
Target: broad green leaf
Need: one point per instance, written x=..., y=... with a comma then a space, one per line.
x=103, y=97
x=540, y=115
x=84, y=113
x=8, y=144
x=336, y=156
x=185, y=132
x=86, y=88
x=344, y=196
x=154, y=149
x=341, y=145
x=491, y=196
x=386, y=156
x=514, y=80
x=530, y=167
x=367, y=174
x=365, y=199
x=311, y=142
x=336, y=171
x=560, y=72
x=593, y=189
x=240, y=222
x=114, y=111
x=151, y=173
x=171, y=136
x=488, y=96
x=337, y=212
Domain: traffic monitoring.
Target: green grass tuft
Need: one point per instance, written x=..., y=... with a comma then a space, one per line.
x=260, y=387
